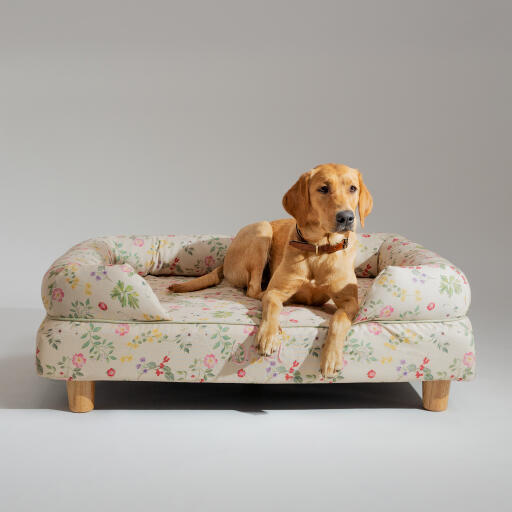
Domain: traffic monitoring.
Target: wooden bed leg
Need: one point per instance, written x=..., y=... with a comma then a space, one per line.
x=80, y=395
x=435, y=394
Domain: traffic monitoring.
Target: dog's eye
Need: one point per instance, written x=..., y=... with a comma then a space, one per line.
x=324, y=189
x=353, y=188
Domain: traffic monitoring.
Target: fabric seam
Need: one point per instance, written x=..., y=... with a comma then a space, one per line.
x=143, y=322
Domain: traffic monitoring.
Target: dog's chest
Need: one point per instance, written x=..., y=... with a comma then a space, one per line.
x=325, y=269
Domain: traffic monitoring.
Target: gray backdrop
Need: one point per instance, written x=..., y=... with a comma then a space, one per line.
x=195, y=117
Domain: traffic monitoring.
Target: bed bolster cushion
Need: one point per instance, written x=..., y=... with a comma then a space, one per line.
x=84, y=284
x=414, y=284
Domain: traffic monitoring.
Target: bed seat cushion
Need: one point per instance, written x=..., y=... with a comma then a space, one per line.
x=226, y=304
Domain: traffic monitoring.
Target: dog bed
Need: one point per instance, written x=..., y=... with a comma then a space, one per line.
x=110, y=317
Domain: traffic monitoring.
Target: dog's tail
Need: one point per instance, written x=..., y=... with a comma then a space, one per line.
x=211, y=279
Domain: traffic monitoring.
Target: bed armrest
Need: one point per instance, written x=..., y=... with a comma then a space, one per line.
x=84, y=284
x=414, y=283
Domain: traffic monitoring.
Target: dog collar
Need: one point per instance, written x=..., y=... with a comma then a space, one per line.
x=304, y=245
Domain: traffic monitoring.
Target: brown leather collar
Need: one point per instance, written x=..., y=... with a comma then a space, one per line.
x=304, y=245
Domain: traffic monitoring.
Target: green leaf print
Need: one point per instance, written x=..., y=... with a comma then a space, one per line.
x=125, y=295
x=53, y=338
x=99, y=348
x=450, y=285
x=39, y=366
x=81, y=309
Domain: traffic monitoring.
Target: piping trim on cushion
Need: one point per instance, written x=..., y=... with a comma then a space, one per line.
x=143, y=322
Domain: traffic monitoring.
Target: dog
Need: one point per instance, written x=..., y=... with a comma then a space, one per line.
x=309, y=258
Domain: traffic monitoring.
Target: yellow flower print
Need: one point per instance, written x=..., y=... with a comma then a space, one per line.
x=73, y=282
x=385, y=360
x=410, y=335
x=392, y=347
x=87, y=289
x=284, y=337
x=417, y=295
x=132, y=345
x=151, y=252
x=382, y=280
x=400, y=293
x=151, y=317
x=125, y=359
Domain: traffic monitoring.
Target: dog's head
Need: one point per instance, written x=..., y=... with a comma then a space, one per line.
x=324, y=200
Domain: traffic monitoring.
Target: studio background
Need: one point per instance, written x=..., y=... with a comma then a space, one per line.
x=196, y=117
x=164, y=117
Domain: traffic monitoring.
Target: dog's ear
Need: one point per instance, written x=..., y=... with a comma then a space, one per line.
x=365, y=200
x=296, y=200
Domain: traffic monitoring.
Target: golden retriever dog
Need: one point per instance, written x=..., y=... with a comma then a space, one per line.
x=309, y=258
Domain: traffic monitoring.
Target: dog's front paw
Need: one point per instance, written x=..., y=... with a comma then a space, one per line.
x=332, y=361
x=268, y=342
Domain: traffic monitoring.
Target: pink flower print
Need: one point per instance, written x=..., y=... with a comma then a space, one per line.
x=365, y=236
x=173, y=264
x=241, y=373
x=469, y=359
x=139, y=242
x=431, y=306
x=126, y=268
x=250, y=330
x=374, y=328
x=386, y=311
x=371, y=374
x=102, y=306
x=210, y=360
x=78, y=360
x=209, y=261
x=57, y=294
x=122, y=329
x=111, y=372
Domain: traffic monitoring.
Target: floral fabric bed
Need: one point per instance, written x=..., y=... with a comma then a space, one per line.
x=110, y=317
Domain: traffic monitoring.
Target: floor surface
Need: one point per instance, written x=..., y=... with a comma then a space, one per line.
x=150, y=446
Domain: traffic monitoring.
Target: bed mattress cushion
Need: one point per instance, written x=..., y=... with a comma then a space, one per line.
x=224, y=352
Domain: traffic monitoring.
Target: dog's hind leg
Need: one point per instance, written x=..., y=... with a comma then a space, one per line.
x=247, y=257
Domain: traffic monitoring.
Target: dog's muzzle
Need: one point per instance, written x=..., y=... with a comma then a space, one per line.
x=345, y=220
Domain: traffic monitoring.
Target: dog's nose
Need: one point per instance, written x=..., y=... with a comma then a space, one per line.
x=345, y=217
